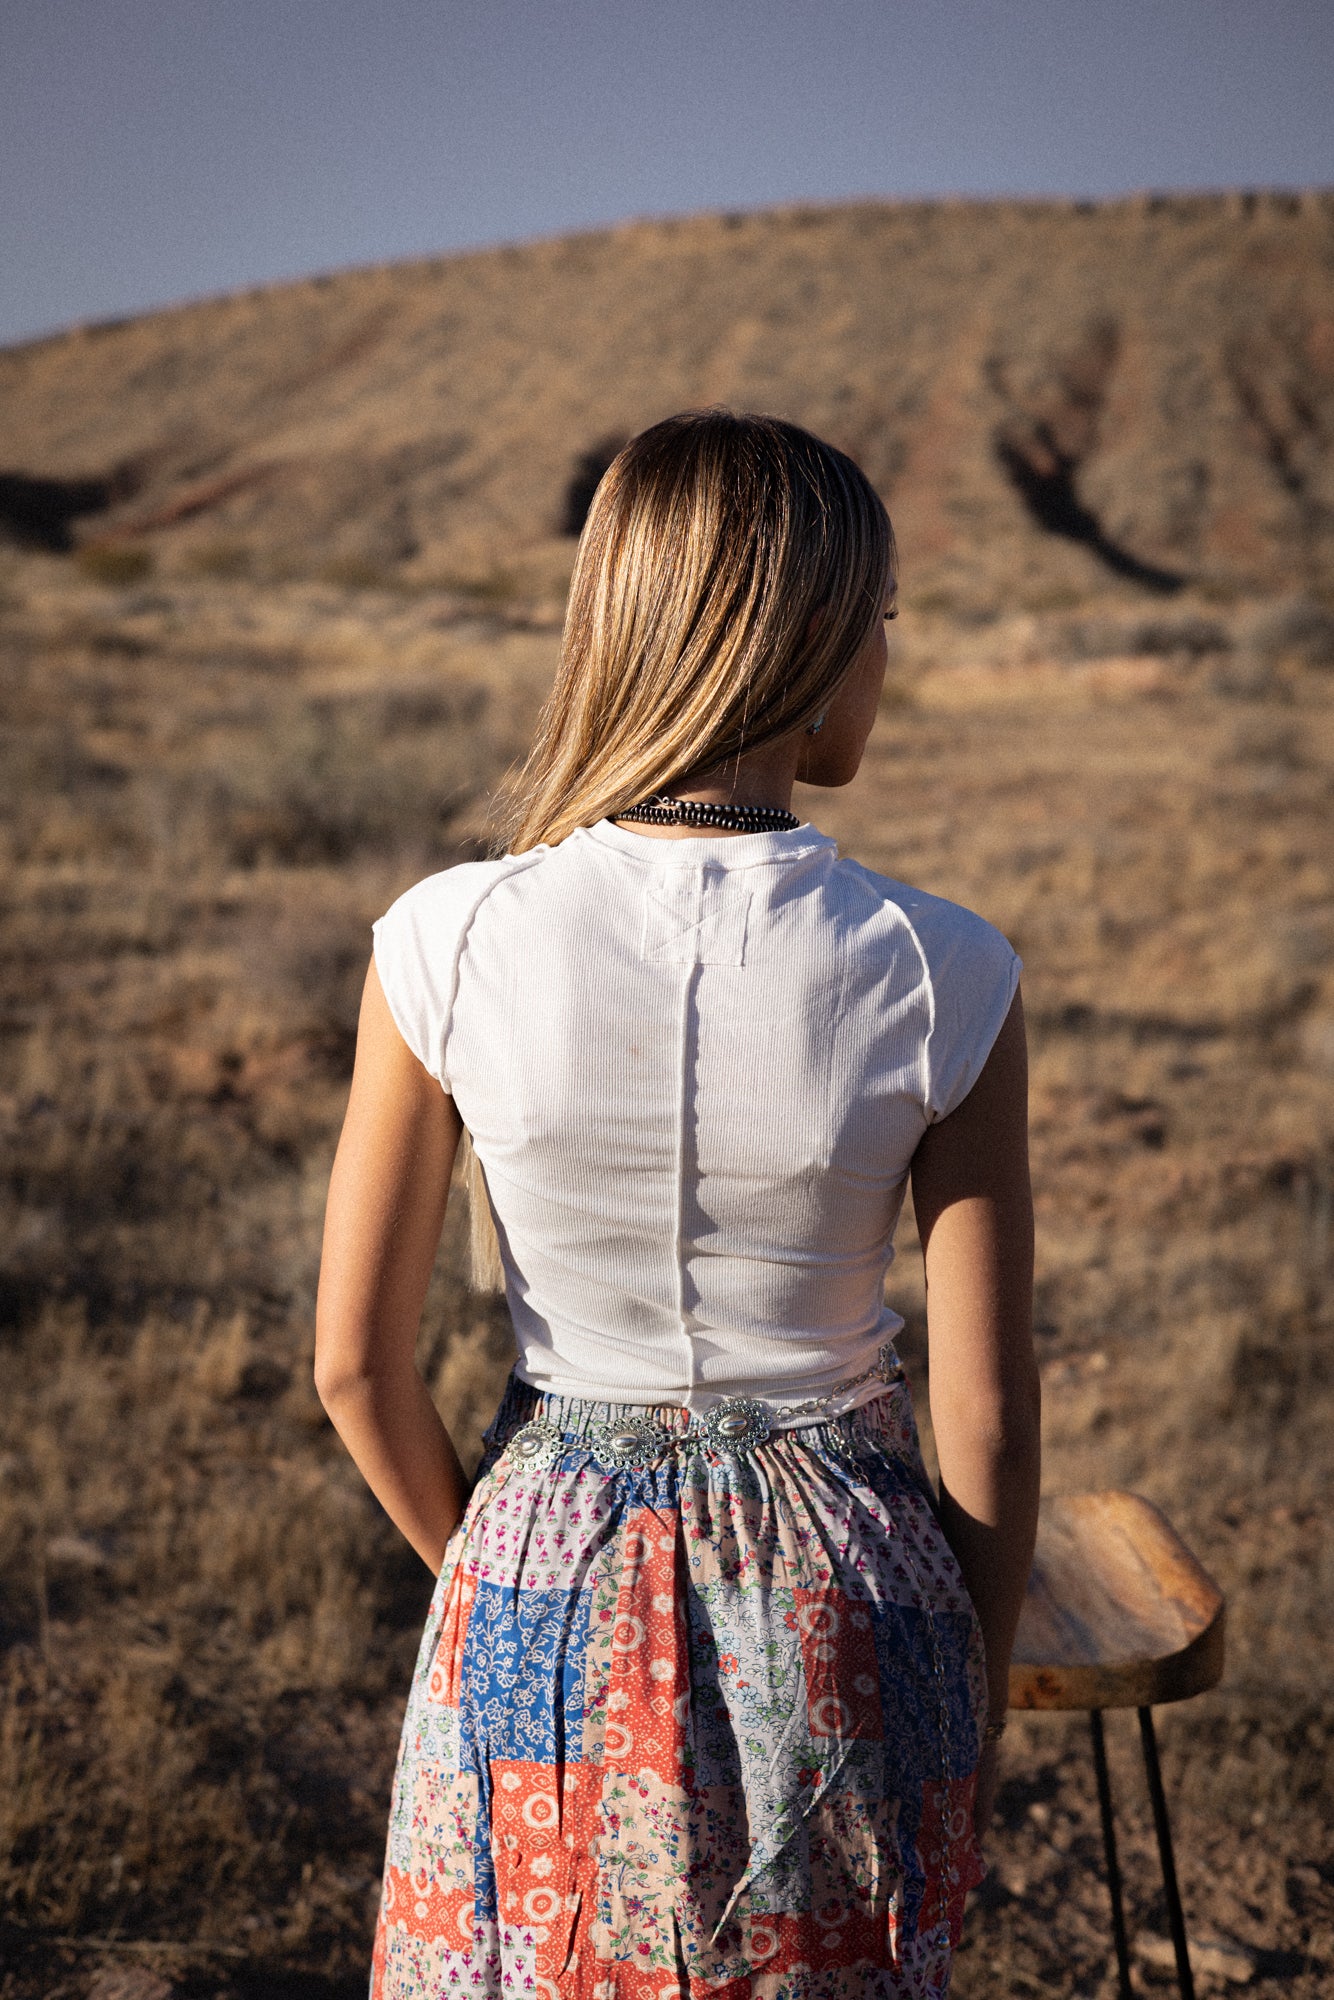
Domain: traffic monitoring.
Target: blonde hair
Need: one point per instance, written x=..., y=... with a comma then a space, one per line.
x=730, y=571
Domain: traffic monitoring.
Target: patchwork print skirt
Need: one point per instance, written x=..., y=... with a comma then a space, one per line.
x=697, y=1712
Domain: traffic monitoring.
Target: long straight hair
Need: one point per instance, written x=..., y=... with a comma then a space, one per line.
x=729, y=573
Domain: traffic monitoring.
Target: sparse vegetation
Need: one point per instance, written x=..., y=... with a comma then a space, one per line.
x=490, y=590
x=1055, y=597
x=114, y=562
x=229, y=562
x=354, y=572
x=931, y=603
x=205, y=1625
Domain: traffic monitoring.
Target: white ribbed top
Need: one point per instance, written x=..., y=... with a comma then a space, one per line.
x=695, y=1072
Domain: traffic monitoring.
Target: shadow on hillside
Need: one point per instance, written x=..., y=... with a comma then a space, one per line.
x=1044, y=478
x=37, y=513
x=584, y=482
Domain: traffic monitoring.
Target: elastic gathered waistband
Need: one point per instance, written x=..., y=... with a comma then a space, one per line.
x=886, y=1369
x=541, y=1425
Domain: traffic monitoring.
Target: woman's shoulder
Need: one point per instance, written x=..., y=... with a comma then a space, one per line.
x=938, y=925
x=419, y=942
x=964, y=969
x=453, y=894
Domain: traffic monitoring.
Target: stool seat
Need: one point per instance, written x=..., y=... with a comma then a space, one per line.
x=1118, y=1613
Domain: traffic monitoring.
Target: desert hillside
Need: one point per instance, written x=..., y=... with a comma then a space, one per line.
x=1046, y=394
x=281, y=596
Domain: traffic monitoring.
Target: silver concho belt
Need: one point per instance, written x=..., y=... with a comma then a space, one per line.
x=734, y=1424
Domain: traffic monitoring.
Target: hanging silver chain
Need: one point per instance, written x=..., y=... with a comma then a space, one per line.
x=886, y=1368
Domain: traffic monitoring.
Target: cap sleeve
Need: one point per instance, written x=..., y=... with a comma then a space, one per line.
x=417, y=945
x=973, y=973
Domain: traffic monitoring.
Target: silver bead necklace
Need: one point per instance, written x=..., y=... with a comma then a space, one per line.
x=663, y=810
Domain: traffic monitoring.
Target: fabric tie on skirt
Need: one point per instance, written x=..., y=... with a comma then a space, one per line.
x=693, y=1715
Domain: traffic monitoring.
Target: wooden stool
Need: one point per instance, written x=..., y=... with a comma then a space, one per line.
x=1118, y=1614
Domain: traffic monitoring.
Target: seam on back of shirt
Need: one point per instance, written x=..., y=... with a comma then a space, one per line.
x=519, y=863
x=844, y=949
x=890, y=903
x=690, y=974
x=927, y=1052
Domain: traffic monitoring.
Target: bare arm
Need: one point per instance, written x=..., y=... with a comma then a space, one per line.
x=974, y=1209
x=381, y=1230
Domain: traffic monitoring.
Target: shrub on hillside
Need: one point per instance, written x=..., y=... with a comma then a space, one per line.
x=227, y=561
x=114, y=562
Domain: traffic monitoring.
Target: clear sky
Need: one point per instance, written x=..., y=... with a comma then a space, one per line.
x=152, y=150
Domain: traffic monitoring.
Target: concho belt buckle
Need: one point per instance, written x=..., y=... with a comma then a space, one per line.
x=537, y=1443
x=738, y=1423
x=628, y=1442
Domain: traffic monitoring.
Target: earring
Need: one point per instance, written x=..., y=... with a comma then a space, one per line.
x=814, y=728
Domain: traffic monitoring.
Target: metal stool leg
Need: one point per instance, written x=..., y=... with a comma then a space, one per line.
x=1176, y=1922
x=1109, y=1845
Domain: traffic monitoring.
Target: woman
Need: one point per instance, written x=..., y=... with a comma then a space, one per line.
x=710, y=1689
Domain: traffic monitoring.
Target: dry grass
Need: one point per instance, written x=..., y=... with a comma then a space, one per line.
x=206, y=1629
x=205, y=1623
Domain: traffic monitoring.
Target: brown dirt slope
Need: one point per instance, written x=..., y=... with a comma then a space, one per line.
x=1047, y=394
